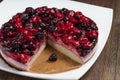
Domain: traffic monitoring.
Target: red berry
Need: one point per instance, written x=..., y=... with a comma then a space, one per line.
x=78, y=14
x=72, y=19
x=58, y=15
x=74, y=43
x=70, y=13
x=84, y=19
x=35, y=19
x=93, y=34
x=23, y=58
x=16, y=17
x=41, y=10
x=83, y=39
x=19, y=24
x=74, y=30
x=50, y=10
x=87, y=45
x=67, y=26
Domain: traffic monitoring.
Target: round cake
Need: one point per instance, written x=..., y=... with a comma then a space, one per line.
x=25, y=35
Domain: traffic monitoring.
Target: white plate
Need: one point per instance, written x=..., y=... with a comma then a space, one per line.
x=102, y=16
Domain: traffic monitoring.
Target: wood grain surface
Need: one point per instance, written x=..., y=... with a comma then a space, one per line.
x=107, y=66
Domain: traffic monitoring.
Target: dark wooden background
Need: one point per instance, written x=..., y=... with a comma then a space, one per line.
x=107, y=67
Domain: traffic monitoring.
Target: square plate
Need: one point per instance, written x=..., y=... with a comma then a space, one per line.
x=102, y=16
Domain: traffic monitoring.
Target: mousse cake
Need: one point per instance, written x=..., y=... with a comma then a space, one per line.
x=25, y=35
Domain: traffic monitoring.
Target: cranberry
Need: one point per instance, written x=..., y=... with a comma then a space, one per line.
x=83, y=39
x=58, y=15
x=74, y=30
x=67, y=26
x=60, y=23
x=23, y=58
x=18, y=24
x=30, y=37
x=23, y=31
x=35, y=19
x=84, y=19
x=41, y=10
x=87, y=45
x=50, y=11
x=92, y=34
x=16, y=17
x=78, y=14
x=67, y=38
x=72, y=19
x=70, y=13
x=74, y=43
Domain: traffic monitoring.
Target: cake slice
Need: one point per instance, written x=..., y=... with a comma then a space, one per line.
x=21, y=42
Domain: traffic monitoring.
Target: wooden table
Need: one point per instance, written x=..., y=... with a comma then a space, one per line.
x=107, y=67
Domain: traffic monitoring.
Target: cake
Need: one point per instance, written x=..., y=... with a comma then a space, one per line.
x=25, y=35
